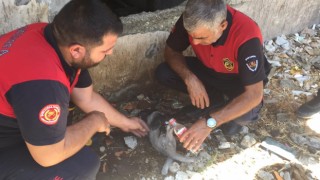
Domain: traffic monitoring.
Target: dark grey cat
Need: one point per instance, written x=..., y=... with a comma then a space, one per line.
x=165, y=143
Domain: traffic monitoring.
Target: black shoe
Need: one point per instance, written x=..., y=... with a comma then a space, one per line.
x=308, y=109
x=230, y=128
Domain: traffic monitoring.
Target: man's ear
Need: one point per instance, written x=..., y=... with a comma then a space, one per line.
x=77, y=51
x=224, y=25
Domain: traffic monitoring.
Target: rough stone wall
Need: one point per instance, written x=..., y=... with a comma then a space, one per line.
x=140, y=50
x=276, y=17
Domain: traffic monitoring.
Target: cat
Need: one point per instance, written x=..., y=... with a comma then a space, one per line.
x=164, y=143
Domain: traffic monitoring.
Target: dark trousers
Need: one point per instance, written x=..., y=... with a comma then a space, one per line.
x=217, y=89
x=17, y=163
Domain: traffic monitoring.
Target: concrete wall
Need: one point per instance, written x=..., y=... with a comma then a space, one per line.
x=140, y=49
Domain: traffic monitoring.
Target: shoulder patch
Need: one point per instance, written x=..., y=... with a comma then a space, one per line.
x=229, y=65
x=50, y=114
x=252, y=63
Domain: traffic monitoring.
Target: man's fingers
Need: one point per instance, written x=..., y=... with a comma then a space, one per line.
x=193, y=101
x=136, y=133
x=187, y=141
x=108, y=131
x=207, y=100
x=145, y=127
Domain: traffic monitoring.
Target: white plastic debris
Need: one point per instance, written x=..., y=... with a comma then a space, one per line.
x=131, y=141
x=275, y=63
x=298, y=93
x=283, y=42
x=300, y=78
x=266, y=91
x=270, y=47
x=298, y=38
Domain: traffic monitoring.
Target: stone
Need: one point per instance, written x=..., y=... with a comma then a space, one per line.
x=306, y=140
x=181, y=175
x=286, y=176
x=224, y=145
x=169, y=178
x=265, y=175
x=248, y=141
x=174, y=167
x=131, y=141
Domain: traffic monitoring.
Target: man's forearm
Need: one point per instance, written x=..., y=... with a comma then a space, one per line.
x=177, y=62
x=98, y=103
x=240, y=105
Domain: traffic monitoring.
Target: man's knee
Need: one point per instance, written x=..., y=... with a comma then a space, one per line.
x=87, y=163
x=251, y=116
x=90, y=162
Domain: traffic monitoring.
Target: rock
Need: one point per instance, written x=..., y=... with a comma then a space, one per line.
x=265, y=175
x=102, y=148
x=140, y=97
x=169, y=178
x=204, y=155
x=244, y=130
x=175, y=167
x=224, y=145
x=248, y=141
x=286, y=176
x=181, y=175
x=287, y=84
x=131, y=141
x=306, y=140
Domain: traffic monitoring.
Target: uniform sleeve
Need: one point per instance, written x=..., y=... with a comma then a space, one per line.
x=251, y=62
x=41, y=109
x=178, y=39
x=84, y=79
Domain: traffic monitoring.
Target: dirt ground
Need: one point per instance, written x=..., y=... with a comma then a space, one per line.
x=277, y=121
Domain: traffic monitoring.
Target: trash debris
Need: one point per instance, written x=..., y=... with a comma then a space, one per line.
x=279, y=149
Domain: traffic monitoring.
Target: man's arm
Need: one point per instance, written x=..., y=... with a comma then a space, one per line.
x=88, y=100
x=197, y=133
x=75, y=138
x=240, y=105
x=197, y=92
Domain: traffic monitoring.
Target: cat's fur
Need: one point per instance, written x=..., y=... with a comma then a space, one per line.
x=165, y=143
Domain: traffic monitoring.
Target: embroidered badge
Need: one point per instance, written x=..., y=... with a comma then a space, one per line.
x=252, y=63
x=229, y=65
x=50, y=114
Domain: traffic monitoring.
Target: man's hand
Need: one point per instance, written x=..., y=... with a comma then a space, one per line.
x=197, y=92
x=195, y=135
x=136, y=126
x=105, y=126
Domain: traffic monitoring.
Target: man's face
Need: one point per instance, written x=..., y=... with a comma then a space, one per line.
x=205, y=36
x=93, y=56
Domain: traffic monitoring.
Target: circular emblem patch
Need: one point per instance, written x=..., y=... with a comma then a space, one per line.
x=229, y=65
x=49, y=115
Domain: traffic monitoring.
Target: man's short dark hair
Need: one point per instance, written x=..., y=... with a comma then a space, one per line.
x=85, y=22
